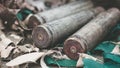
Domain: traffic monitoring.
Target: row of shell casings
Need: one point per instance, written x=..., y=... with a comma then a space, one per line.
x=50, y=15
x=88, y=33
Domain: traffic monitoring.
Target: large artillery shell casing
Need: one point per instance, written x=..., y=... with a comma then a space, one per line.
x=58, y=13
x=48, y=34
x=91, y=34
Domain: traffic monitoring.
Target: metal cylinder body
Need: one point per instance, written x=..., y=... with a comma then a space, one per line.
x=58, y=13
x=48, y=34
x=91, y=34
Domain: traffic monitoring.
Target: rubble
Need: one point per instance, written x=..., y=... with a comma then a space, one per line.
x=33, y=34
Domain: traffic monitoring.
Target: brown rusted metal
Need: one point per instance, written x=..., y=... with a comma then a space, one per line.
x=48, y=34
x=58, y=13
x=91, y=34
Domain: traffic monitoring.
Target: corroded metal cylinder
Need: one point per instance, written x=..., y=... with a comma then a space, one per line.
x=51, y=33
x=58, y=13
x=91, y=34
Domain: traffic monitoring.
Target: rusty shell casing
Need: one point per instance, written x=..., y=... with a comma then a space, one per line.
x=57, y=13
x=49, y=34
x=91, y=34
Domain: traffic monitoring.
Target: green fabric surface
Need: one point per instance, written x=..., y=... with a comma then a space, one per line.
x=23, y=13
x=112, y=57
x=106, y=47
x=63, y=62
x=111, y=64
x=88, y=63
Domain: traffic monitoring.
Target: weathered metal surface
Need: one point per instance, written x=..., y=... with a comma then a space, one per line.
x=58, y=13
x=91, y=34
x=51, y=33
x=42, y=5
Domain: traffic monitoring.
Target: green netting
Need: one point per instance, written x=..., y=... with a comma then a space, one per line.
x=23, y=13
